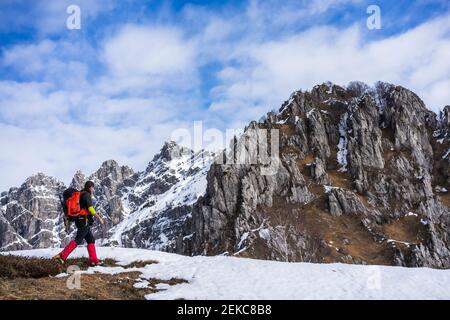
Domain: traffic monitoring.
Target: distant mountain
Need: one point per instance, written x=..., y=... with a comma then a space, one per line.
x=143, y=209
x=363, y=177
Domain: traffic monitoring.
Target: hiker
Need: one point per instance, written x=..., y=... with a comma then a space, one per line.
x=80, y=209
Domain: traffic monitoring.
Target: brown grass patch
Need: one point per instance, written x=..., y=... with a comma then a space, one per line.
x=388, y=133
x=287, y=130
x=406, y=229
x=345, y=235
x=93, y=287
x=12, y=267
x=445, y=198
x=139, y=264
x=23, y=278
x=308, y=159
x=339, y=179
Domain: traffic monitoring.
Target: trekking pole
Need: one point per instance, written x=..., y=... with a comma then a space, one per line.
x=66, y=223
x=104, y=230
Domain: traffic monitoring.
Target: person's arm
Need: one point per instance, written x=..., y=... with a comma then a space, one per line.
x=94, y=213
x=90, y=205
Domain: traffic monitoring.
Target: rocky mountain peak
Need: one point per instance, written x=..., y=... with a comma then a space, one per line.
x=445, y=117
x=113, y=170
x=171, y=150
x=355, y=155
x=78, y=180
x=40, y=179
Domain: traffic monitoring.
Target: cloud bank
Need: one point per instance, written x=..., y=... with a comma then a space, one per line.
x=119, y=87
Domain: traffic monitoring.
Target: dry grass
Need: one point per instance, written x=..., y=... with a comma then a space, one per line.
x=139, y=264
x=445, y=199
x=23, y=278
x=308, y=159
x=287, y=129
x=12, y=267
x=406, y=229
x=93, y=287
x=339, y=179
x=345, y=235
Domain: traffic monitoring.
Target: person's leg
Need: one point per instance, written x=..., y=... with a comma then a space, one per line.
x=82, y=230
x=63, y=255
x=91, y=247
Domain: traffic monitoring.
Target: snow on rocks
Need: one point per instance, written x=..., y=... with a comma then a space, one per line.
x=328, y=189
x=184, y=177
x=446, y=154
x=343, y=143
x=264, y=234
x=440, y=189
x=141, y=284
x=222, y=277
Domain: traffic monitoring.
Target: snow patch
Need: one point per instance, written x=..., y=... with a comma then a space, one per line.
x=411, y=214
x=343, y=143
x=222, y=277
x=141, y=284
x=441, y=189
x=264, y=234
x=243, y=238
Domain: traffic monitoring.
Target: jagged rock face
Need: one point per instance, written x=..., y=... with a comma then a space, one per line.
x=160, y=202
x=30, y=215
x=146, y=209
x=111, y=182
x=363, y=178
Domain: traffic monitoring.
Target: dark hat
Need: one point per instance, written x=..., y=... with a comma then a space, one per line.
x=88, y=185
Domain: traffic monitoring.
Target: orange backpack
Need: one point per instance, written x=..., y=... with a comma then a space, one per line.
x=72, y=204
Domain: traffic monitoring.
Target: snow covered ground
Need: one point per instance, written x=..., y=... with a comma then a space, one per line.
x=223, y=277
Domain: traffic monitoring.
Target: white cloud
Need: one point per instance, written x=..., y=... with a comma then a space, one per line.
x=138, y=50
x=29, y=103
x=61, y=148
x=143, y=58
x=22, y=55
x=60, y=121
x=268, y=71
x=60, y=63
x=122, y=97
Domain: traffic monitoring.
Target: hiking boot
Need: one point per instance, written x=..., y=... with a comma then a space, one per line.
x=58, y=259
x=96, y=263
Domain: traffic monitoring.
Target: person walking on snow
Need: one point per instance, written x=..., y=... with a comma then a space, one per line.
x=83, y=220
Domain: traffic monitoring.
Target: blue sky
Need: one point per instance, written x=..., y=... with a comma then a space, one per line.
x=139, y=70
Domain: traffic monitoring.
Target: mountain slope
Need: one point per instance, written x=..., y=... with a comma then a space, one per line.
x=363, y=178
x=30, y=215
